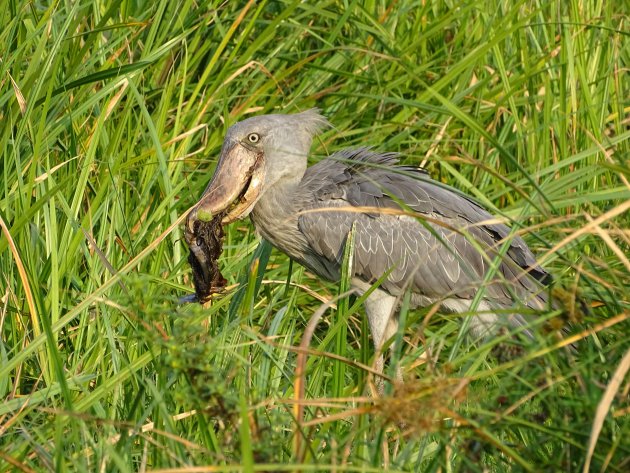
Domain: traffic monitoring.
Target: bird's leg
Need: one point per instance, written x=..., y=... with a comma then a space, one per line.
x=380, y=308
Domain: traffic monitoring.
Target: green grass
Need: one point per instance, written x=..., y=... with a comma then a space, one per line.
x=112, y=115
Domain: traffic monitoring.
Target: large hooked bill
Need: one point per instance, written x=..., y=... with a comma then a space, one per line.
x=234, y=188
x=230, y=195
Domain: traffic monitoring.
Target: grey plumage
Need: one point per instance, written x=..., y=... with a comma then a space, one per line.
x=433, y=240
x=434, y=259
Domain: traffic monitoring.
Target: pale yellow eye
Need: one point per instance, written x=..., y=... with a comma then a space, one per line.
x=253, y=138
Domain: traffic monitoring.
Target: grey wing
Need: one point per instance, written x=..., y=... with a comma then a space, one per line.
x=447, y=255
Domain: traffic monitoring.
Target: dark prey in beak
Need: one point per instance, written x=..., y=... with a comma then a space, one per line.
x=231, y=193
x=205, y=241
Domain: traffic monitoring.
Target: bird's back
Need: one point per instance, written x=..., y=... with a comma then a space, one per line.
x=432, y=239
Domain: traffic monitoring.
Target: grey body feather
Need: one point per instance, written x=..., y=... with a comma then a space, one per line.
x=441, y=260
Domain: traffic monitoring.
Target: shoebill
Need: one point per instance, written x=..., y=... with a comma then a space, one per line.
x=427, y=238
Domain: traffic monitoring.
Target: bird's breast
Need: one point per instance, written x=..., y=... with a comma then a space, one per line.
x=276, y=220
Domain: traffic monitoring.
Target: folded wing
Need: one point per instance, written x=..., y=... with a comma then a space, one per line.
x=435, y=241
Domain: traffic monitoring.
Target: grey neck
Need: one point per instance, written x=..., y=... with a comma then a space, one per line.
x=275, y=216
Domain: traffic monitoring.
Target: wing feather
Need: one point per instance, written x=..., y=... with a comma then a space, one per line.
x=434, y=258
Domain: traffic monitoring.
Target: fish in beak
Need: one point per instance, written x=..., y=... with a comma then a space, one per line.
x=234, y=188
